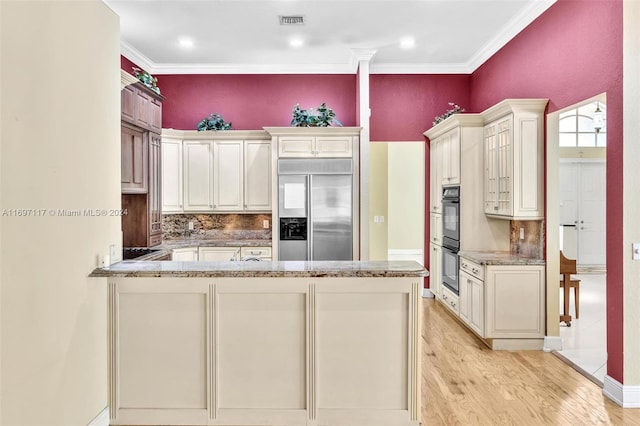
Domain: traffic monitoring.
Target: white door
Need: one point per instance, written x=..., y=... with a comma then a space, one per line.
x=591, y=232
x=568, y=177
x=582, y=211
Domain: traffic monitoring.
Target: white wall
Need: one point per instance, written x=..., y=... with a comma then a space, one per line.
x=60, y=149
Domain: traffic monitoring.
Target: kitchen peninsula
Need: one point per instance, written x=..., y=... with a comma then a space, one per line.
x=264, y=343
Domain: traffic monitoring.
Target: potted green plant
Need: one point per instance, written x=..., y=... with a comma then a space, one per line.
x=323, y=116
x=147, y=79
x=213, y=122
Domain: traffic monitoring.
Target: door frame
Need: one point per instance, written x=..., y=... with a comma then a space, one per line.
x=552, y=222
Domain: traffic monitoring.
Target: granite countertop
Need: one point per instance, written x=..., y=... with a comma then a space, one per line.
x=289, y=269
x=163, y=250
x=499, y=258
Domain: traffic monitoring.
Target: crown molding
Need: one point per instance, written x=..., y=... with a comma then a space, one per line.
x=513, y=28
x=135, y=56
x=252, y=69
x=451, y=68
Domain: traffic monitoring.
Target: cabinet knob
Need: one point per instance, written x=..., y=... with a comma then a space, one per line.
x=496, y=207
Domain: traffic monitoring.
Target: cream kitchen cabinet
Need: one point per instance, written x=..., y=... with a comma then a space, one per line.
x=513, y=159
x=209, y=172
x=188, y=254
x=198, y=175
x=514, y=304
x=171, y=175
x=503, y=303
x=472, y=302
x=315, y=146
x=435, y=264
x=242, y=175
x=228, y=180
x=255, y=253
x=436, y=228
x=450, y=300
x=218, y=254
x=315, y=142
x=435, y=176
x=257, y=175
x=450, y=157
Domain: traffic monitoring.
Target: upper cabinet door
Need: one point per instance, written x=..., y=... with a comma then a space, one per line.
x=128, y=104
x=513, y=162
x=334, y=146
x=198, y=175
x=228, y=181
x=296, y=146
x=257, y=175
x=134, y=161
x=155, y=115
x=450, y=157
x=171, y=175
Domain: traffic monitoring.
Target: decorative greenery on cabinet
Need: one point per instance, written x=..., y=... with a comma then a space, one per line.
x=213, y=122
x=322, y=116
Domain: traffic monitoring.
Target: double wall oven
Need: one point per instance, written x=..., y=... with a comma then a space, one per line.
x=450, y=237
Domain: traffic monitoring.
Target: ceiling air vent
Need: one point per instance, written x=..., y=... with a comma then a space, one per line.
x=291, y=20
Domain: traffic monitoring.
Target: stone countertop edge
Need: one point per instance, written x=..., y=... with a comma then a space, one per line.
x=172, y=244
x=285, y=269
x=499, y=258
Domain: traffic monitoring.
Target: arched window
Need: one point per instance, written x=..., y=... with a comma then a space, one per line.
x=584, y=126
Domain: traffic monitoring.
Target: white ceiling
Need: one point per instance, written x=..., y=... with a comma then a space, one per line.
x=245, y=36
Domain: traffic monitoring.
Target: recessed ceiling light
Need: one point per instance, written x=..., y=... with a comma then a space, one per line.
x=296, y=42
x=186, y=42
x=407, y=43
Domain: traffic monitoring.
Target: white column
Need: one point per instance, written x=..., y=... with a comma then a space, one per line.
x=363, y=57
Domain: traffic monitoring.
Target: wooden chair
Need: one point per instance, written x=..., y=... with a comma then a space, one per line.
x=568, y=267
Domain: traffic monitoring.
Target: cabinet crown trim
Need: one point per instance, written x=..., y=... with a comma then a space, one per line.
x=313, y=131
x=213, y=135
x=453, y=121
x=508, y=106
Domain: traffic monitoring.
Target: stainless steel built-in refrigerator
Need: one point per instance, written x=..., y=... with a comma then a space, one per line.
x=315, y=209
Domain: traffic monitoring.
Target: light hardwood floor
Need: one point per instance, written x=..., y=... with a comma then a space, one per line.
x=465, y=383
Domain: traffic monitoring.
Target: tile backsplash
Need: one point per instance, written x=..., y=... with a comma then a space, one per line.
x=216, y=226
x=532, y=246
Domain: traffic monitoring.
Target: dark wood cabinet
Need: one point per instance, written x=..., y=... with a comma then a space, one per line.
x=141, y=166
x=134, y=160
x=155, y=189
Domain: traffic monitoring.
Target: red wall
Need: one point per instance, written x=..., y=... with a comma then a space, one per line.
x=253, y=101
x=403, y=107
x=127, y=65
x=571, y=53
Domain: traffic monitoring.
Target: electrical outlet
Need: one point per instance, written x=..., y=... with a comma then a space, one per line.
x=522, y=233
x=381, y=219
x=190, y=225
x=265, y=224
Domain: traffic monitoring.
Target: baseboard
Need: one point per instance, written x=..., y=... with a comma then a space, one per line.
x=406, y=254
x=624, y=396
x=102, y=419
x=427, y=294
x=552, y=343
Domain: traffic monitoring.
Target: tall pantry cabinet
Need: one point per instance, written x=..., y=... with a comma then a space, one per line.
x=141, y=174
x=456, y=159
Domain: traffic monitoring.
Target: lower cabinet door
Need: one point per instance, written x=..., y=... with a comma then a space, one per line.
x=515, y=301
x=472, y=302
x=218, y=254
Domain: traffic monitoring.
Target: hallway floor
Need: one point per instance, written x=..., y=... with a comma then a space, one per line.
x=584, y=344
